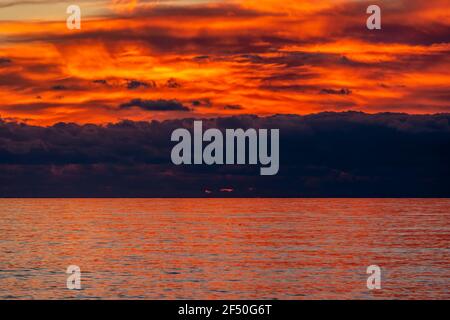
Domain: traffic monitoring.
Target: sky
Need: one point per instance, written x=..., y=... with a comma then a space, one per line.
x=157, y=60
x=347, y=154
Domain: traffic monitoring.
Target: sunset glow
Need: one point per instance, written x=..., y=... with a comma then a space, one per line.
x=220, y=58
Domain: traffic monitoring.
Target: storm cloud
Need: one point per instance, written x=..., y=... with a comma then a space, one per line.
x=349, y=154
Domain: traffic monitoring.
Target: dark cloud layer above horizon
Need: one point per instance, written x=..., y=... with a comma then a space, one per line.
x=322, y=155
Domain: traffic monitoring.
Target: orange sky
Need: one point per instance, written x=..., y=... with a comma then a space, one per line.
x=144, y=60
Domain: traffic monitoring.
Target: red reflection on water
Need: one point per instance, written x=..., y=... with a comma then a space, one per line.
x=224, y=248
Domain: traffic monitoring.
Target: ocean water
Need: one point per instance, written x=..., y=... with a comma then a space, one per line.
x=224, y=248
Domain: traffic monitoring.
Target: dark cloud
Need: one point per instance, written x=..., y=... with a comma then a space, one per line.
x=155, y=105
x=173, y=84
x=163, y=40
x=59, y=88
x=197, y=12
x=348, y=154
x=5, y=61
x=401, y=23
x=202, y=59
x=21, y=3
x=288, y=87
x=291, y=76
x=296, y=59
x=100, y=81
x=202, y=103
x=233, y=107
x=135, y=84
x=342, y=91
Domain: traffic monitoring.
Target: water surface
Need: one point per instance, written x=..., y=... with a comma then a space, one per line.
x=224, y=248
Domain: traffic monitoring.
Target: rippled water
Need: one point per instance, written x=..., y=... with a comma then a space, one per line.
x=224, y=248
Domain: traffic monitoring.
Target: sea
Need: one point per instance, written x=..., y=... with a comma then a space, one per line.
x=225, y=248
